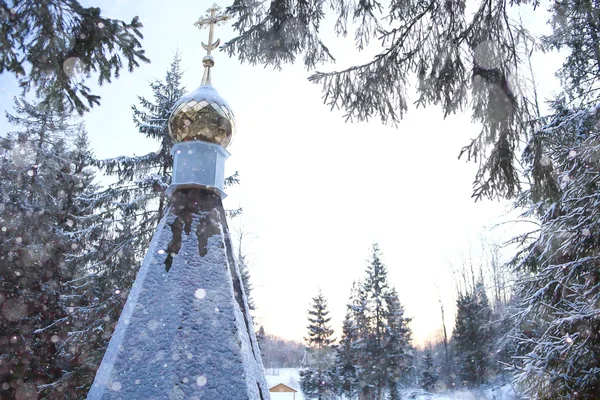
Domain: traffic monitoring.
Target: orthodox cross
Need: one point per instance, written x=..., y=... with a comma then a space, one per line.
x=211, y=19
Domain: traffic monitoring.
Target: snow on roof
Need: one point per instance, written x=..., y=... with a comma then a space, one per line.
x=204, y=92
x=282, y=388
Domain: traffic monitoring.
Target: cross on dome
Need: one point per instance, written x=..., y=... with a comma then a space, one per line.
x=210, y=20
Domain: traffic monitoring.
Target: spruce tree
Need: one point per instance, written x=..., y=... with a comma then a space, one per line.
x=53, y=45
x=245, y=275
x=459, y=56
x=429, y=376
x=472, y=336
x=575, y=27
x=375, y=354
x=45, y=176
x=557, y=319
x=345, y=366
x=318, y=381
x=376, y=287
x=77, y=366
x=145, y=178
x=360, y=332
x=242, y=262
x=399, y=355
x=132, y=206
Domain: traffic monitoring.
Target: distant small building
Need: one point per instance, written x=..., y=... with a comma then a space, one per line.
x=281, y=388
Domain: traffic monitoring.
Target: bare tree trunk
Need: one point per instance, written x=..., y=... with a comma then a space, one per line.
x=446, y=368
x=445, y=332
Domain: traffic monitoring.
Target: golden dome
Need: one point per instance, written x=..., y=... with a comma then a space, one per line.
x=202, y=115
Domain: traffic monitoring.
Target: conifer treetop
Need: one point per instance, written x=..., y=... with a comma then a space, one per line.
x=319, y=330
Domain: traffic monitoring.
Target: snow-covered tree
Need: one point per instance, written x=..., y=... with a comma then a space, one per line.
x=145, y=178
x=360, y=332
x=242, y=261
x=125, y=216
x=472, y=336
x=399, y=354
x=385, y=349
x=374, y=355
x=559, y=319
x=132, y=206
x=559, y=297
x=374, y=366
x=345, y=366
x=318, y=380
x=575, y=27
x=53, y=45
x=461, y=57
x=110, y=240
x=45, y=178
x=86, y=319
x=429, y=375
x=245, y=275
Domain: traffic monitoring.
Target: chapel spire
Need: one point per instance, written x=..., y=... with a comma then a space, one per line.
x=186, y=330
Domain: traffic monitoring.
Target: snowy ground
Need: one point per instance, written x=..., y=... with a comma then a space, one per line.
x=490, y=393
x=291, y=378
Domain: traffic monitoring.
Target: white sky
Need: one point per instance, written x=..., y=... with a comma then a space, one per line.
x=316, y=192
